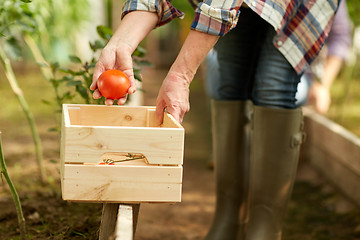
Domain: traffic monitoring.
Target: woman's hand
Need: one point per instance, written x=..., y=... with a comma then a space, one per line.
x=114, y=57
x=319, y=96
x=133, y=28
x=173, y=97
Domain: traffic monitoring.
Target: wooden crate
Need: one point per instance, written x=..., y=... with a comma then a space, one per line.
x=92, y=133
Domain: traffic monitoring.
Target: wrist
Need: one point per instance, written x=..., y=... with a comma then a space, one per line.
x=122, y=45
x=133, y=28
x=180, y=77
x=320, y=84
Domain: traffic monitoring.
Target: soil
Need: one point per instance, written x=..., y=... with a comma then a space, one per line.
x=316, y=211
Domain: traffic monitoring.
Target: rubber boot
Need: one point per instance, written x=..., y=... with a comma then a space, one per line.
x=276, y=138
x=231, y=128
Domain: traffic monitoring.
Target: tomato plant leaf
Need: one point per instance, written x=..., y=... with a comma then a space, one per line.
x=67, y=78
x=74, y=59
x=82, y=91
x=45, y=102
x=139, y=52
x=13, y=46
x=73, y=83
x=104, y=32
x=97, y=45
x=41, y=64
x=137, y=76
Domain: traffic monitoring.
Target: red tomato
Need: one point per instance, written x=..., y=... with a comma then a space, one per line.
x=113, y=84
x=103, y=163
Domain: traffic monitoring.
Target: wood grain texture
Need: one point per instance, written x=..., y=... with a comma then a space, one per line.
x=108, y=221
x=118, y=221
x=122, y=183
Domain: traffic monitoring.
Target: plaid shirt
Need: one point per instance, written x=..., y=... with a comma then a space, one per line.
x=302, y=26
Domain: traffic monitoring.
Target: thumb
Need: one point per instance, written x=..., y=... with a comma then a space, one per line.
x=159, y=113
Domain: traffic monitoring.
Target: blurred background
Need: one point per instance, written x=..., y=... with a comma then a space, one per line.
x=48, y=50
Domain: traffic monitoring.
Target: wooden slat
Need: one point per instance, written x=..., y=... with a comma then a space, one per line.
x=124, y=224
x=118, y=221
x=159, y=145
x=333, y=139
x=168, y=120
x=342, y=178
x=112, y=116
x=108, y=220
x=122, y=183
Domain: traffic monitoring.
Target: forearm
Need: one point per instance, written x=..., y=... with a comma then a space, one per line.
x=193, y=52
x=331, y=70
x=174, y=92
x=133, y=28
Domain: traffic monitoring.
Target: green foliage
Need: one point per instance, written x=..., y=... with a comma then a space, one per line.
x=354, y=9
x=14, y=194
x=15, y=18
x=47, y=21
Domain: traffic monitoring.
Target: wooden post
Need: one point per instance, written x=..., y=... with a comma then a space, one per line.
x=118, y=221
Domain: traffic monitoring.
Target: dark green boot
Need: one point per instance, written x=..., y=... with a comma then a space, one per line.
x=230, y=128
x=276, y=138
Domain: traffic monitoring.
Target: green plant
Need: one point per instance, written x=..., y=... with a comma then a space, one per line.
x=14, y=194
x=15, y=18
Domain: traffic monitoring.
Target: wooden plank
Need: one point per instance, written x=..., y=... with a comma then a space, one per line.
x=124, y=224
x=113, y=116
x=71, y=115
x=342, y=178
x=334, y=152
x=159, y=145
x=168, y=121
x=151, y=118
x=122, y=183
x=100, y=115
x=108, y=220
x=118, y=221
x=333, y=139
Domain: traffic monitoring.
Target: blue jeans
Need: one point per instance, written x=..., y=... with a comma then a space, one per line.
x=247, y=66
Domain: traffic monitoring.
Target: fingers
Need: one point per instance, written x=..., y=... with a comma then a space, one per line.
x=121, y=101
x=176, y=112
x=159, y=113
x=130, y=74
x=99, y=69
x=109, y=102
x=96, y=94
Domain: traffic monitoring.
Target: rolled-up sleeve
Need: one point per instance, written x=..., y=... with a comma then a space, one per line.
x=164, y=9
x=216, y=17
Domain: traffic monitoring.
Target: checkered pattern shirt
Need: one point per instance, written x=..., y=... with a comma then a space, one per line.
x=302, y=26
